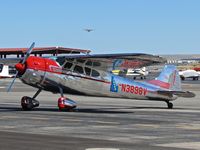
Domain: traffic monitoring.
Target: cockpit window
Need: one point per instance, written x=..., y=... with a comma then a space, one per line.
x=60, y=60
x=70, y=59
x=95, y=73
x=78, y=69
x=68, y=65
x=89, y=63
x=95, y=64
x=87, y=71
x=80, y=60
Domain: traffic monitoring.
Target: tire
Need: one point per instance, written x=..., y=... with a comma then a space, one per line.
x=182, y=78
x=26, y=103
x=170, y=105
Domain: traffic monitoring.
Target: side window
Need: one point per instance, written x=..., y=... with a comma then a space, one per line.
x=95, y=73
x=68, y=65
x=87, y=71
x=78, y=69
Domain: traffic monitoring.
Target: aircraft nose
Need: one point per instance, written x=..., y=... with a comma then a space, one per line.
x=20, y=68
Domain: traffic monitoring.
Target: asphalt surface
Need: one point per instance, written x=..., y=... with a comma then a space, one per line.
x=98, y=123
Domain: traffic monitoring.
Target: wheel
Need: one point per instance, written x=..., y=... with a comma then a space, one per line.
x=28, y=103
x=134, y=78
x=195, y=78
x=170, y=105
x=141, y=78
x=65, y=104
x=182, y=78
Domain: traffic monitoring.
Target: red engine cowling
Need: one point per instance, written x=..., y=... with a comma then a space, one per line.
x=39, y=63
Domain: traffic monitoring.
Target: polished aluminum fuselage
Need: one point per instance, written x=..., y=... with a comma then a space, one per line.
x=107, y=85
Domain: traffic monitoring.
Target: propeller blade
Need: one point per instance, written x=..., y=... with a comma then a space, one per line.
x=11, y=84
x=28, y=52
x=24, y=60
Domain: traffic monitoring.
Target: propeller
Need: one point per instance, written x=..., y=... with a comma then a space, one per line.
x=20, y=66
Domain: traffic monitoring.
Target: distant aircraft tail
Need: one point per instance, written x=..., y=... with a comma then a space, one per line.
x=169, y=79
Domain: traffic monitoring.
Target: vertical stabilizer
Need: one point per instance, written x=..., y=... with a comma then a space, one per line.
x=170, y=77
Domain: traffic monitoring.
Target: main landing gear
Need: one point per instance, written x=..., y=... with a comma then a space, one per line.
x=169, y=104
x=64, y=104
x=28, y=103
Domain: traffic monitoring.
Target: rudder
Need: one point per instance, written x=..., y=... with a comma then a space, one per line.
x=170, y=76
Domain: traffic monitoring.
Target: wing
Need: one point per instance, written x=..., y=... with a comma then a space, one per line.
x=109, y=62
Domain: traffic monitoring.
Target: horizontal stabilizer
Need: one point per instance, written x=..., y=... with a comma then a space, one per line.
x=186, y=94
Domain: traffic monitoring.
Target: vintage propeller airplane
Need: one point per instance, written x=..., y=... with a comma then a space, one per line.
x=88, y=30
x=92, y=75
